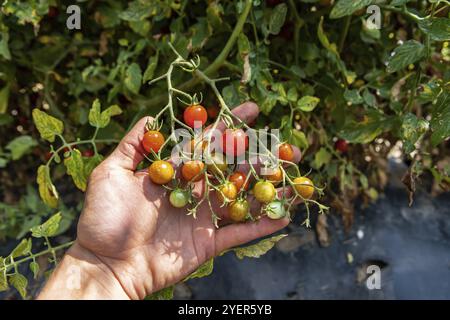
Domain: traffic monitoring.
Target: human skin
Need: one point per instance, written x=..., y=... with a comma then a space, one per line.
x=131, y=242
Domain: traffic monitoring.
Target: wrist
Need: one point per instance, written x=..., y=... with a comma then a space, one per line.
x=82, y=275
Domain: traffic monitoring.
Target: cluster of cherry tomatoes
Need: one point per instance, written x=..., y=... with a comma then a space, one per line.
x=232, y=186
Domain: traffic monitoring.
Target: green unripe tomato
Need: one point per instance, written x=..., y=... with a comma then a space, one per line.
x=179, y=198
x=276, y=210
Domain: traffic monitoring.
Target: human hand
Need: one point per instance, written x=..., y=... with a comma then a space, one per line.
x=132, y=242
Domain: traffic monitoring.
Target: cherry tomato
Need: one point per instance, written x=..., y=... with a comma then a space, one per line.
x=285, y=152
x=264, y=191
x=238, y=179
x=161, y=172
x=276, y=177
x=275, y=210
x=341, y=145
x=238, y=210
x=213, y=112
x=217, y=164
x=152, y=141
x=179, y=198
x=192, y=170
x=234, y=142
x=195, y=116
x=196, y=145
x=304, y=187
x=88, y=153
x=227, y=192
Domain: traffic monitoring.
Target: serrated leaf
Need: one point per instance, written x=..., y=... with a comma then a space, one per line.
x=298, y=139
x=75, y=168
x=440, y=123
x=164, y=294
x=437, y=28
x=20, y=146
x=23, y=248
x=366, y=130
x=408, y=53
x=47, y=125
x=133, y=78
x=344, y=8
x=34, y=267
x=48, y=228
x=321, y=158
x=47, y=190
x=307, y=103
x=353, y=96
x=91, y=163
x=19, y=282
x=101, y=119
x=259, y=249
x=204, y=270
x=277, y=18
x=411, y=130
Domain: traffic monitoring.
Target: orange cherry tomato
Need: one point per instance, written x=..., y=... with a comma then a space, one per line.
x=304, y=187
x=161, y=172
x=152, y=141
x=238, y=179
x=227, y=192
x=276, y=177
x=195, y=116
x=191, y=170
x=285, y=152
x=238, y=210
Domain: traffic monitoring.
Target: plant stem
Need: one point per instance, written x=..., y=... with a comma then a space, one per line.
x=347, y=22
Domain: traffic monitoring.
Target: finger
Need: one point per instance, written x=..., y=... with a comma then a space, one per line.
x=246, y=112
x=129, y=153
x=237, y=234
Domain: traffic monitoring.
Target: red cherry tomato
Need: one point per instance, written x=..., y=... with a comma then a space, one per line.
x=195, y=116
x=152, y=140
x=238, y=179
x=235, y=142
x=341, y=145
x=285, y=152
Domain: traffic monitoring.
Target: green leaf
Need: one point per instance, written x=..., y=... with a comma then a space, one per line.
x=4, y=97
x=75, y=168
x=259, y=249
x=164, y=294
x=3, y=280
x=437, y=28
x=4, y=48
x=204, y=270
x=308, y=103
x=440, y=123
x=353, y=96
x=366, y=130
x=34, y=267
x=344, y=8
x=298, y=139
x=20, y=146
x=22, y=249
x=292, y=94
x=398, y=3
x=101, y=119
x=322, y=157
x=133, y=78
x=48, y=228
x=277, y=18
x=47, y=190
x=151, y=66
x=324, y=39
x=90, y=164
x=408, y=53
x=412, y=130
x=47, y=125
x=19, y=282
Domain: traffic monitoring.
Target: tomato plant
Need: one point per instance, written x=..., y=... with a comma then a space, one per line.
x=153, y=141
x=161, y=172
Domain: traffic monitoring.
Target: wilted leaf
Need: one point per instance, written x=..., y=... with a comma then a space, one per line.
x=412, y=129
x=19, y=282
x=133, y=78
x=101, y=119
x=204, y=270
x=75, y=168
x=164, y=294
x=47, y=190
x=48, y=228
x=47, y=125
x=440, y=123
x=34, y=267
x=259, y=249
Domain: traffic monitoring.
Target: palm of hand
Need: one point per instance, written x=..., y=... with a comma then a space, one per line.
x=129, y=224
